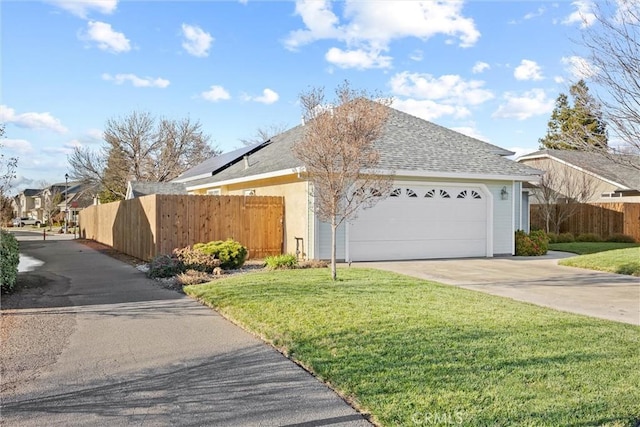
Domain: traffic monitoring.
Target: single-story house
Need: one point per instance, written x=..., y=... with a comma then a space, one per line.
x=454, y=196
x=143, y=188
x=613, y=178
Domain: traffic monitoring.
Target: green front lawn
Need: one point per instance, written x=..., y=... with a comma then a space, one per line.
x=412, y=352
x=582, y=248
x=621, y=261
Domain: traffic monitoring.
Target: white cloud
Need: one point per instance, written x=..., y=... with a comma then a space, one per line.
x=558, y=79
x=136, y=81
x=579, y=67
x=528, y=70
x=450, y=89
x=535, y=14
x=31, y=120
x=106, y=38
x=428, y=109
x=18, y=146
x=583, y=14
x=82, y=8
x=197, y=42
x=268, y=97
x=95, y=134
x=358, y=58
x=215, y=94
x=417, y=55
x=521, y=107
x=369, y=27
x=480, y=67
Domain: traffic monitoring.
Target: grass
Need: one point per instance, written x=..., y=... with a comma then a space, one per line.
x=582, y=248
x=621, y=261
x=412, y=352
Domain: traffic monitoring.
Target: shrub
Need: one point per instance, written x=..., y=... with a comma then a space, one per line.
x=165, y=266
x=313, y=263
x=230, y=253
x=533, y=244
x=193, y=277
x=565, y=238
x=588, y=237
x=9, y=259
x=552, y=237
x=281, y=262
x=196, y=259
x=621, y=238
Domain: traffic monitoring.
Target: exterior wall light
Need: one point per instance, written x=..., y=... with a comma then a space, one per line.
x=504, y=195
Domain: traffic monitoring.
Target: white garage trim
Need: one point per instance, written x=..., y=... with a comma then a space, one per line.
x=483, y=189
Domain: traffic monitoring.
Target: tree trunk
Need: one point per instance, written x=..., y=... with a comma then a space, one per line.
x=334, y=228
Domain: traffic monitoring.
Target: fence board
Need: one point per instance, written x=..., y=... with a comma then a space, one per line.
x=157, y=224
x=603, y=219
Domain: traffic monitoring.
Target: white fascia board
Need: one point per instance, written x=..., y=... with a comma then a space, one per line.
x=250, y=178
x=578, y=168
x=458, y=175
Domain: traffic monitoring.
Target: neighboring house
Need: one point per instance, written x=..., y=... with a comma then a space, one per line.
x=45, y=204
x=26, y=202
x=610, y=181
x=77, y=196
x=454, y=196
x=140, y=188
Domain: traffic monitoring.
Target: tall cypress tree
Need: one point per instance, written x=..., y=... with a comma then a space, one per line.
x=578, y=126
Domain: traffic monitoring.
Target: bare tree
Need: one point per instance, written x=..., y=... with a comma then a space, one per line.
x=139, y=147
x=51, y=196
x=613, y=42
x=263, y=134
x=339, y=156
x=559, y=194
x=8, y=167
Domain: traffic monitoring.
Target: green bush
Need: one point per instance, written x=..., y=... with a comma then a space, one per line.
x=196, y=259
x=281, y=262
x=588, y=237
x=9, y=259
x=621, y=238
x=230, y=253
x=565, y=238
x=533, y=244
x=165, y=266
x=552, y=237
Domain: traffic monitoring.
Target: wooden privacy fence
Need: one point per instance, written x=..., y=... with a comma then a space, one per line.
x=603, y=219
x=152, y=225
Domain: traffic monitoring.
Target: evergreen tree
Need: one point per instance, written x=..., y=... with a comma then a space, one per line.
x=578, y=126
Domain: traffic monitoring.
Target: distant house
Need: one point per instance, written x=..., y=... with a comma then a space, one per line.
x=26, y=202
x=612, y=180
x=454, y=196
x=142, y=188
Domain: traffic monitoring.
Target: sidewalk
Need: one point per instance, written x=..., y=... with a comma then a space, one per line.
x=123, y=350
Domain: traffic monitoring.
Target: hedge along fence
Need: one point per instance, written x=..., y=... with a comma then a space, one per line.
x=603, y=219
x=153, y=225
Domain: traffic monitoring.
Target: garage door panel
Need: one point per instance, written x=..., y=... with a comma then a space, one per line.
x=422, y=227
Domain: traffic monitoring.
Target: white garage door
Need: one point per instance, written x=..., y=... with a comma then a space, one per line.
x=421, y=222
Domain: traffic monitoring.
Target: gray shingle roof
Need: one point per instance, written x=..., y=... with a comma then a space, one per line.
x=620, y=171
x=215, y=164
x=141, y=188
x=408, y=143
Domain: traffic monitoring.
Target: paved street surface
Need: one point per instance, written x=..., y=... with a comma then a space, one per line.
x=92, y=341
x=538, y=280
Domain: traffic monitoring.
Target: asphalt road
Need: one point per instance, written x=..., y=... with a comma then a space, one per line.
x=91, y=341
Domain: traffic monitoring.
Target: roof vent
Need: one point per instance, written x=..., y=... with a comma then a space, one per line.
x=246, y=161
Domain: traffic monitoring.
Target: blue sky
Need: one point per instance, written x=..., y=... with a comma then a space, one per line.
x=490, y=69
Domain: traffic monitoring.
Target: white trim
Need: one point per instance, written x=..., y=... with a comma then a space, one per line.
x=571, y=165
x=193, y=178
x=250, y=178
x=458, y=175
x=513, y=217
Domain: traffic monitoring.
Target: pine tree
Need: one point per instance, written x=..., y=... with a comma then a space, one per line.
x=578, y=126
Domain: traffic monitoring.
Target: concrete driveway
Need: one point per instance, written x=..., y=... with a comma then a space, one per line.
x=538, y=280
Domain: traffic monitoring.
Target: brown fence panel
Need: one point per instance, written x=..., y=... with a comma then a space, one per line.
x=157, y=224
x=603, y=219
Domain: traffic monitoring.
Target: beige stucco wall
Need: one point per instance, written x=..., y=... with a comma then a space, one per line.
x=294, y=191
x=599, y=186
